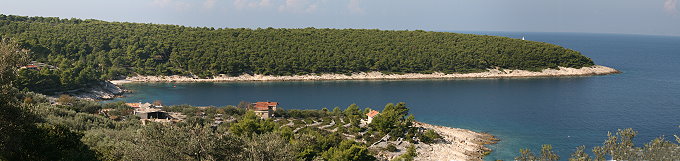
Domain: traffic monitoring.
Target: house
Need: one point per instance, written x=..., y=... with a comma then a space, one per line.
x=34, y=65
x=30, y=67
x=143, y=105
x=265, y=110
x=148, y=112
x=134, y=105
x=271, y=105
x=151, y=113
x=371, y=115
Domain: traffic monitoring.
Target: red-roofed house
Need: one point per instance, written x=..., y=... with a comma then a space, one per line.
x=265, y=109
x=31, y=67
x=371, y=115
x=134, y=105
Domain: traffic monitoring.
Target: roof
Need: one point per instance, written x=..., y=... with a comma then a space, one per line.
x=372, y=113
x=145, y=105
x=266, y=103
x=148, y=110
x=140, y=105
x=31, y=66
x=133, y=105
x=264, y=106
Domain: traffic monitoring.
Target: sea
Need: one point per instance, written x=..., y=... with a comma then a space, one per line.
x=564, y=112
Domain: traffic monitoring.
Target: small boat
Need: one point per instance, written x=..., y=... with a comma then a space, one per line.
x=522, y=37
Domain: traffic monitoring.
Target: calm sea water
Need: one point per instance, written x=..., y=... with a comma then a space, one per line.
x=564, y=112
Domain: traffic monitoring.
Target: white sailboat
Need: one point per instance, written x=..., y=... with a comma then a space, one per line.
x=522, y=37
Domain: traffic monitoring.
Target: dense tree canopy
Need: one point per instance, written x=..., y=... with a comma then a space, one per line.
x=85, y=50
x=23, y=135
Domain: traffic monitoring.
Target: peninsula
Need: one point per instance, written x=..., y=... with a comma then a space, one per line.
x=81, y=53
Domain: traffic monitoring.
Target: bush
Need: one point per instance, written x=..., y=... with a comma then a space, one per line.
x=65, y=99
x=430, y=136
x=408, y=156
x=348, y=150
x=617, y=147
x=391, y=148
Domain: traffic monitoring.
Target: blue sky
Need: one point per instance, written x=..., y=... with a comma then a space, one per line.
x=654, y=17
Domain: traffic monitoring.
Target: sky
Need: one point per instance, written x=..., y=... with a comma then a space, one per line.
x=650, y=17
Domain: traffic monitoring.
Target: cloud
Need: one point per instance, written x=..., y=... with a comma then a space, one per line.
x=182, y=6
x=178, y=5
x=299, y=6
x=161, y=3
x=671, y=6
x=354, y=6
x=241, y=4
x=292, y=6
x=209, y=3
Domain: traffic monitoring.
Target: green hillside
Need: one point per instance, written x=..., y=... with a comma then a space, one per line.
x=87, y=50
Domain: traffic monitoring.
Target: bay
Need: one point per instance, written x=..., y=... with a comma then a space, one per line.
x=523, y=112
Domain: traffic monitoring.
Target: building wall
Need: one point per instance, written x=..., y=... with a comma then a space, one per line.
x=263, y=114
x=154, y=115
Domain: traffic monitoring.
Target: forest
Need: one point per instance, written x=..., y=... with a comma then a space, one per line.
x=84, y=51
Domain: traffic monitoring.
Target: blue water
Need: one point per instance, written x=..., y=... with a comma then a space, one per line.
x=564, y=112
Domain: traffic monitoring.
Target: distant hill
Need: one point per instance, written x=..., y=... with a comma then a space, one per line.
x=95, y=50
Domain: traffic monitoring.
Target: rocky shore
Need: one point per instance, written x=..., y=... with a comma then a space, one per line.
x=492, y=73
x=100, y=91
x=457, y=144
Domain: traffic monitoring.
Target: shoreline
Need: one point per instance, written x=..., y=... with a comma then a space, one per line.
x=104, y=90
x=492, y=73
x=457, y=144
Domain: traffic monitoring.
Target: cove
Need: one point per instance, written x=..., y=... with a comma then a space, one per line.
x=523, y=112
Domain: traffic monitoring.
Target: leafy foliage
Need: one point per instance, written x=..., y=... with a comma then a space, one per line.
x=251, y=124
x=546, y=155
x=269, y=147
x=408, y=156
x=312, y=143
x=23, y=136
x=580, y=155
x=430, y=136
x=348, y=150
x=393, y=121
x=616, y=147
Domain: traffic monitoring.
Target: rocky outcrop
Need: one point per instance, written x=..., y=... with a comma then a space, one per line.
x=457, y=144
x=99, y=91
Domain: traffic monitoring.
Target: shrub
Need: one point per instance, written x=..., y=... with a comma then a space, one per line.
x=391, y=148
x=430, y=136
x=408, y=156
x=617, y=147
